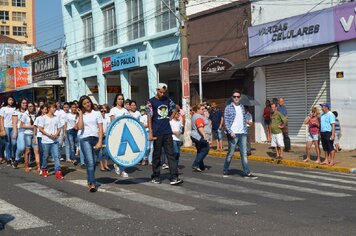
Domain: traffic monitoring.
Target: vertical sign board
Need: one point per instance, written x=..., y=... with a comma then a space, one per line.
x=185, y=78
x=106, y=64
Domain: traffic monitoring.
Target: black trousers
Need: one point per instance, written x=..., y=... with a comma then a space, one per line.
x=286, y=139
x=165, y=141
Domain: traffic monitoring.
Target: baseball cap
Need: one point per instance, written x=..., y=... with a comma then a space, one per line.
x=325, y=104
x=162, y=86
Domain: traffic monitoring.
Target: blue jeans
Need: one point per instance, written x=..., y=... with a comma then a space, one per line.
x=2, y=147
x=202, y=151
x=176, y=149
x=20, y=146
x=87, y=147
x=71, y=138
x=241, y=141
x=53, y=148
x=40, y=149
x=10, y=143
x=28, y=140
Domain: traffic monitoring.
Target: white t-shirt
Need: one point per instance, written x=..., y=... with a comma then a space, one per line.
x=26, y=119
x=51, y=126
x=176, y=126
x=61, y=116
x=136, y=115
x=19, y=115
x=37, y=121
x=116, y=112
x=238, y=124
x=144, y=120
x=91, y=121
x=7, y=113
x=106, y=123
x=70, y=120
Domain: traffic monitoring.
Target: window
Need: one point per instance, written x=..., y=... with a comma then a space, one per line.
x=19, y=16
x=19, y=3
x=4, y=15
x=165, y=19
x=4, y=2
x=89, y=43
x=136, y=26
x=4, y=30
x=110, y=31
x=19, y=31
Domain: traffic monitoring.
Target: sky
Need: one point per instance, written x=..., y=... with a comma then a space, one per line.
x=49, y=25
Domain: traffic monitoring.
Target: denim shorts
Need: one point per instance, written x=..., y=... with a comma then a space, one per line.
x=312, y=137
x=217, y=134
x=29, y=141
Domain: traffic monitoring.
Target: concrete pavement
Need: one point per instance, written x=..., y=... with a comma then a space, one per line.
x=345, y=160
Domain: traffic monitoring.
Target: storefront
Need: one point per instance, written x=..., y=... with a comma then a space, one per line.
x=299, y=58
x=48, y=77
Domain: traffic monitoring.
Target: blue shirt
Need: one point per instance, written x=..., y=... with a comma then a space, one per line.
x=326, y=121
x=282, y=109
x=160, y=110
x=215, y=118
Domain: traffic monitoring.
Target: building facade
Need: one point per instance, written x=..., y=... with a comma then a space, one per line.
x=121, y=47
x=304, y=55
x=17, y=20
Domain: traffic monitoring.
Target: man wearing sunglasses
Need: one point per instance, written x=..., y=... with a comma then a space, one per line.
x=236, y=129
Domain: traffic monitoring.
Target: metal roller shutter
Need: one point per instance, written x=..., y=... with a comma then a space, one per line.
x=303, y=84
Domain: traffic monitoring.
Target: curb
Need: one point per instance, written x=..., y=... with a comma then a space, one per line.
x=274, y=161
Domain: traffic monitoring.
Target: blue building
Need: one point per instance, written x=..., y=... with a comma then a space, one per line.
x=126, y=46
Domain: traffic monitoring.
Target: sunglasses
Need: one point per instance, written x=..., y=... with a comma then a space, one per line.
x=102, y=111
x=236, y=96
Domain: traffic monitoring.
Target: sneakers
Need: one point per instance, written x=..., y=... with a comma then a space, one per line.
x=156, y=180
x=176, y=181
x=124, y=174
x=197, y=169
x=250, y=176
x=61, y=159
x=44, y=173
x=8, y=162
x=59, y=175
x=15, y=164
x=117, y=169
x=165, y=166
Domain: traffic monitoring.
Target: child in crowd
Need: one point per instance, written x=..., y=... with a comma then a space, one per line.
x=176, y=126
x=133, y=112
x=102, y=155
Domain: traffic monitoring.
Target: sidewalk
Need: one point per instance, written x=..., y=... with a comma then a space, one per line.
x=345, y=160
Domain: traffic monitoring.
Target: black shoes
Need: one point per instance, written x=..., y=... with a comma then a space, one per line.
x=250, y=176
x=156, y=180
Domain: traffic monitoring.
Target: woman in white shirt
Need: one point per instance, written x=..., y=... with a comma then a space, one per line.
x=26, y=123
x=91, y=139
x=117, y=111
x=6, y=113
x=102, y=155
x=19, y=134
x=133, y=112
x=37, y=137
x=71, y=129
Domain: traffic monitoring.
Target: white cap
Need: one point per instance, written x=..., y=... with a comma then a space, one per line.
x=162, y=86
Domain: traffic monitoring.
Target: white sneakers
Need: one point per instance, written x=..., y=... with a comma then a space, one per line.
x=119, y=172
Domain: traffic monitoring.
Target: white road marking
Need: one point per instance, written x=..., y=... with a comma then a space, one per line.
x=285, y=186
x=342, y=175
x=195, y=194
x=88, y=208
x=19, y=219
x=333, y=179
x=240, y=189
x=141, y=198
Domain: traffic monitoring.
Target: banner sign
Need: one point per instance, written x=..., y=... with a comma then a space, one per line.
x=126, y=141
x=121, y=61
x=45, y=68
x=311, y=29
x=217, y=65
x=21, y=76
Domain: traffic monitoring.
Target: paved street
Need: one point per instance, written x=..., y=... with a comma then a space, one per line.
x=282, y=201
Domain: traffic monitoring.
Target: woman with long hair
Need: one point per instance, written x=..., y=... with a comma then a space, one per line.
x=71, y=129
x=119, y=110
x=267, y=120
x=27, y=124
x=313, y=122
x=19, y=134
x=91, y=138
x=37, y=135
x=6, y=113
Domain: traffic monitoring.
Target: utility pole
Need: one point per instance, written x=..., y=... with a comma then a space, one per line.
x=185, y=72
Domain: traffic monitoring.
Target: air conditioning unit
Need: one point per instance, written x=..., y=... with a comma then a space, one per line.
x=3, y=21
x=25, y=35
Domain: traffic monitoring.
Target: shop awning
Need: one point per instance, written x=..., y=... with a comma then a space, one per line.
x=41, y=84
x=296, y=55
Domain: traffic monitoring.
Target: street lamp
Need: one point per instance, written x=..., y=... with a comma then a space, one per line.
x=200, y=77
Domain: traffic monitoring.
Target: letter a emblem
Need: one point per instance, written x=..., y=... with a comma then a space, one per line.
x=127, y=138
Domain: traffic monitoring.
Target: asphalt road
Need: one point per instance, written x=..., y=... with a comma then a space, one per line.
x=282, y=201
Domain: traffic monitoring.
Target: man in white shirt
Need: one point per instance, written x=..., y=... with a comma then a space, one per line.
x=236, y=127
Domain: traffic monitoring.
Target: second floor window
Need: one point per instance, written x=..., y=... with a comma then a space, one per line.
x=19, y=3
x=4, y=2
x=165, y=18
x=136, y=26
x=19, y=16
x=110, y=31
x=19, y=31
x=89, y=42
x=4, y=30
x=4, y=15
